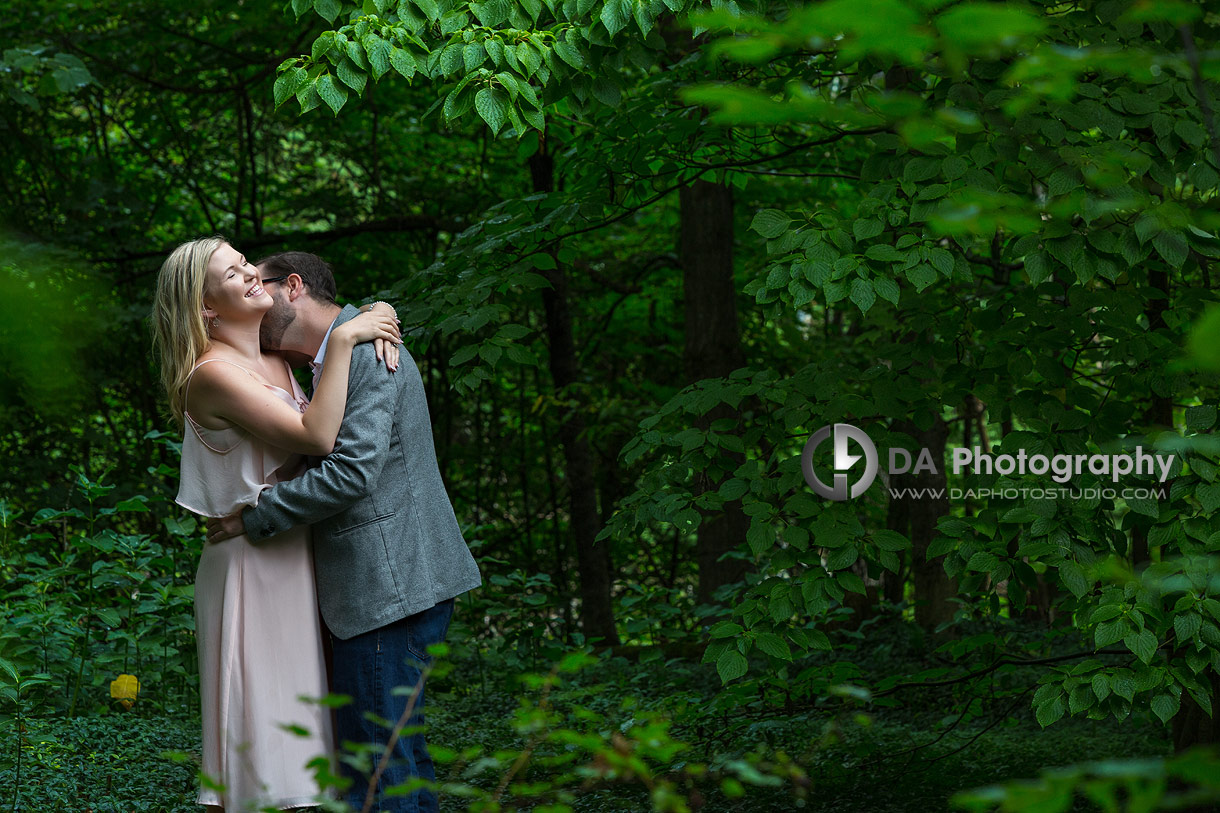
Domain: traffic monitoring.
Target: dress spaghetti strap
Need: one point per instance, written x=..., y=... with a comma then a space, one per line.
x=195, y=425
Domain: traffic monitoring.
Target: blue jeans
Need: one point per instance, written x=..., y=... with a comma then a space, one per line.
x=368, y=667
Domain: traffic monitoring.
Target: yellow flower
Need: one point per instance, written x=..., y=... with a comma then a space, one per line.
x=124, y=689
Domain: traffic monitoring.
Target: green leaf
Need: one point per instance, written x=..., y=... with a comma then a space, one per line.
x=773, y=645
x=1051, y=711
x=308, y=97
x=942, y=261
x=983, y=562
x=450, y=61
x=921, y=276
x=495, y=50
x=1109, y=632
x=1101, y=685
x=842, y=557
x=378, y=51
x=1080, y=698
x=463, y=355
x=607, y=92
x=430, y=8
x=940, y=546
x=848, y=580
x=921, y=169
x=328, y=10
x=1208, y=496
x=1165, y=706
x=491, y=13
x=770, y=223
x=1200, y=418
x=138, y=503
x=890, y=540
x=1073, y=578
x=403, y=62
x=288, y=83
x=108, y=616
x=1171, y=245
x=351, y=76
x=1190, y=132
x=725, y=629
x=731, y=665
x=457, y=103
x=865, y=229
x=780, y=609
x=569, y=54
x=980, y=27
x=862, y=294
x=1143, y=644
x=332, y=92
x=887, y=289
x=734, y=489
x=473, y=55
x=614, y=16
x=492, y=106
x=1186, y=625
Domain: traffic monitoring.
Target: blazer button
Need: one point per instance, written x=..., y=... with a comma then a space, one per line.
x=269, y=530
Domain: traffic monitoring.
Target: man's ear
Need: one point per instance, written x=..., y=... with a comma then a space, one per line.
x=295, y=286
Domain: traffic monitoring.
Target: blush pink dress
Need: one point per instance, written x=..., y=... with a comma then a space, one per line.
x=257, y=628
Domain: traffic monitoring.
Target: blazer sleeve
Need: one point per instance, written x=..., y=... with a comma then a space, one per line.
x=349, y=472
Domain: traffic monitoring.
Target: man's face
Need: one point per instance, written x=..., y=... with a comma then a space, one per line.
x=277, y=319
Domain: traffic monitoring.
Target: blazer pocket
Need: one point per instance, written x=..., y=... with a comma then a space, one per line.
x=362, y=523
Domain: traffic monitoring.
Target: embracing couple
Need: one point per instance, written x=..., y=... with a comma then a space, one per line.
x=372, y=521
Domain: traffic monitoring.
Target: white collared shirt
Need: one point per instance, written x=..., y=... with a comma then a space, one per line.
x=320, y=358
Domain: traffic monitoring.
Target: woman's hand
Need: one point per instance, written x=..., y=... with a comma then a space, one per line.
x=369, y=326
x=387, y=353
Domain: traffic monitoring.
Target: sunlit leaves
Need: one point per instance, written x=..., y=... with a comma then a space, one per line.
x=981, y=27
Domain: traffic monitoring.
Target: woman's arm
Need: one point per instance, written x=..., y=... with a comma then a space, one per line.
x=227, y=392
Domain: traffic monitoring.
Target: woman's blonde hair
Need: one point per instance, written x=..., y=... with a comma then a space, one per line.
x=180, y=335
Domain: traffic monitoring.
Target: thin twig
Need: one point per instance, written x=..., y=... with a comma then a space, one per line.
x=371, y=794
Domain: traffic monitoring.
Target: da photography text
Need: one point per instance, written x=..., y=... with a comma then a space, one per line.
x=1060, y=468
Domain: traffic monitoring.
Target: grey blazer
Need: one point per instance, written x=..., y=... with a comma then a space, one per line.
x=386, y=542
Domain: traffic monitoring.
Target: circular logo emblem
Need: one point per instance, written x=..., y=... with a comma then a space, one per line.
x=842, y=461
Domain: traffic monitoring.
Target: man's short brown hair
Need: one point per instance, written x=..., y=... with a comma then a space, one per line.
x=314, y=271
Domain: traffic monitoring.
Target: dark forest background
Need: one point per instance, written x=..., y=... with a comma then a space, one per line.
x=642, y=250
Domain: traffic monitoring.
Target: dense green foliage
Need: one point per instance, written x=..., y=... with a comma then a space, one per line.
x=644, y=250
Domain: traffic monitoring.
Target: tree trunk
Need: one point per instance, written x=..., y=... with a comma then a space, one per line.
x=593, y=559
x=1159, y=414
x=1192, y=725
x=713, y=350
x=897, y=519
x=933, y=587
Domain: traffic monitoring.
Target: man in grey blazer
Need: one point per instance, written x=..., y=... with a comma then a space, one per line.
x=388, y=554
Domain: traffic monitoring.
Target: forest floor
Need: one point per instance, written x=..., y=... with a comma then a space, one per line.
x=910, y=757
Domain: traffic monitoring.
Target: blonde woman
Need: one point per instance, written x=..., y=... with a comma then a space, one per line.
x=246, y=428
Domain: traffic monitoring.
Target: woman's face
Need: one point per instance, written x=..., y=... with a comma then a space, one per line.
x=231, y=287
